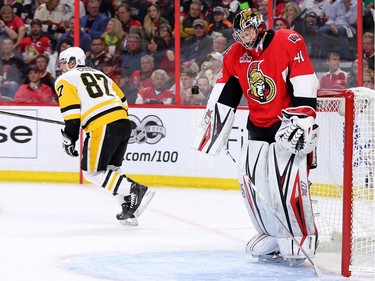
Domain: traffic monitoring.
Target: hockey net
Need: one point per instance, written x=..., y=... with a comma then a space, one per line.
x=343, y=182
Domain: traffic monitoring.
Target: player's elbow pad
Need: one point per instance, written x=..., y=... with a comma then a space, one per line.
x=214, y=128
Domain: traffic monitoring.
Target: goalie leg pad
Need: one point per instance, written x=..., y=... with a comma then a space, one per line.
x=290, y=191
x=290, y=250
x=214, y=128
x=261, y=245
x=253, y=162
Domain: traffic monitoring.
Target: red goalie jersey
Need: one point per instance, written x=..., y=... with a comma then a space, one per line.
x=278, y=77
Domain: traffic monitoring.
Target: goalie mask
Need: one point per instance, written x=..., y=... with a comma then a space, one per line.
x=249, y=27
x=70, y=55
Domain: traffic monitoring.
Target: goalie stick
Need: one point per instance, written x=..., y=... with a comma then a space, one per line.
x=32, y=117
x=261, y=197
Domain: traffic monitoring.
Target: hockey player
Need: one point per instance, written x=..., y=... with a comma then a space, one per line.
x=91, y=100
x=273, y=71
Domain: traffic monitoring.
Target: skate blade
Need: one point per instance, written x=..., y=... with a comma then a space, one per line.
x=145, y=201
x=129, y=221
x=278, y=260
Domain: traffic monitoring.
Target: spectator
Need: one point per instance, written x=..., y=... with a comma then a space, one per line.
x=130, y=61
x=213, y=67
x=219, y=44
x=67, y=7
x=368, y=16
x=113, y=36
x=107, y=8
x=368, y=48
x=138, y=9
x=292, y=13
x=84, y=38
x=93, y=23
x=16, y=6
x=188, y=95
x=353, y=75
x=204, y=88
x=153, y=20
x=315, y=6
x=98, y=56
x=338, y=29
x=122, y=81
x=164, y=58
x=186, y=24
x=263, y=10
x=12, y=25
x=158, y=93
x=12, y=69
x=124, y=16
x=329, y=79
x=141, y=79
x=52, y=17
x=35, y=91
x=368, y=78
x=46, y=77
x=196, y=48
x=220, y=24
x=280, y=23
x=35, y=44
x=109, y=68
x=166, y=33
x=167, y=10
x=312, y=24
x=280, y=7
x=54, y=63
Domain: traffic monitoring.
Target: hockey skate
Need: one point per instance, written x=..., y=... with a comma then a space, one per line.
x=134, y=204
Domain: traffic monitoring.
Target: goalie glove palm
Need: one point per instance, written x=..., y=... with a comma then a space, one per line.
x=298, y=132
x=68, y=145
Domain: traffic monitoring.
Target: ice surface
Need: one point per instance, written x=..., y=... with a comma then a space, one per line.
x=61, y=232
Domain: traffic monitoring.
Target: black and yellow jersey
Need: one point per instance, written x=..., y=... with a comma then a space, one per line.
x=92, y=97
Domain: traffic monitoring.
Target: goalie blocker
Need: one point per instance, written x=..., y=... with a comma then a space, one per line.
x=214, y=128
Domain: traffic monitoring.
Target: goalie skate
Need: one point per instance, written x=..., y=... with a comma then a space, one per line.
x=134, y=204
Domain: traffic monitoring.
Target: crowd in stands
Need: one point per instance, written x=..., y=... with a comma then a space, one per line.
x=133, y=42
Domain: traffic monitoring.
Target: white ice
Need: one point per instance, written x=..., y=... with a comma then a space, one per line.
x=61, y=232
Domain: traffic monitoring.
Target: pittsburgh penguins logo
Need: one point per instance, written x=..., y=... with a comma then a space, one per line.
x=262, y=88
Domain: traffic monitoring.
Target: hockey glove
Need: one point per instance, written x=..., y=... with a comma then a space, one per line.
x=298, y=132
x=68, y=145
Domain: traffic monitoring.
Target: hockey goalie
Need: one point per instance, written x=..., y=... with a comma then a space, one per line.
x=273, y=71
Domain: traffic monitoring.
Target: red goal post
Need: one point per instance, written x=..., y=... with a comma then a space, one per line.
x=343, y=183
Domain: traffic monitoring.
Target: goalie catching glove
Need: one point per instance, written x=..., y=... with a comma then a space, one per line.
x=298, y=132
x=69, y=145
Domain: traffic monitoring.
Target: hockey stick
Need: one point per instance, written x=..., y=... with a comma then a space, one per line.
x=31, y=117
x=261, y=197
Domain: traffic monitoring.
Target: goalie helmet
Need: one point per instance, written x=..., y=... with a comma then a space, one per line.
x=243, y=21
x=72, y=54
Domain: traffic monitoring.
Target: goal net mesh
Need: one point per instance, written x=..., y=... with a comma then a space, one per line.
x=327, y=189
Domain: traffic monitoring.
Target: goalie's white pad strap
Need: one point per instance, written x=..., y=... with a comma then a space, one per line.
x=214, y=128
x=254, y=162
x=290, y=191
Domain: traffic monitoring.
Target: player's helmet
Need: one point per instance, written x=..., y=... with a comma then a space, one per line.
x=73, y=54
x=245, y=19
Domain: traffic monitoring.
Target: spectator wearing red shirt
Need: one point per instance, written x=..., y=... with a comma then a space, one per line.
x=141, y=79
x=13, y=25
x=335, y=77
x=35, y=91
x=157, y=93
x=35, y=44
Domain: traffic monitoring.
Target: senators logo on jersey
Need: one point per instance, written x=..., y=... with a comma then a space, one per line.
x=262, y=88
